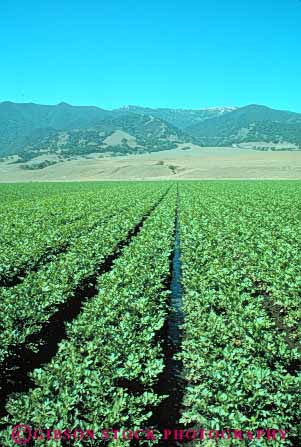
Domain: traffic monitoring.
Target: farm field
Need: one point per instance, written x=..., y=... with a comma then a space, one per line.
x=176, y=164
x=151, y=306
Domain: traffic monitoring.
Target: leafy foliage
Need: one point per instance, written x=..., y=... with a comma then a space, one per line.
x=240, y=257
x=113, y=341
x=241, y=282
x=91, y=240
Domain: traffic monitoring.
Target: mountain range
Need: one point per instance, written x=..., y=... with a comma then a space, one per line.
x=30, y=130
x=250, y=123
x=181, y=118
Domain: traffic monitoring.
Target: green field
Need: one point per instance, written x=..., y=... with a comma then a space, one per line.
x=122, y=301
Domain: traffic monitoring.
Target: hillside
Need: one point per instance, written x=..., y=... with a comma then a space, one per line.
x=250, y=123
x=18, y=121
x=62, y=132
x=23, y=126
x=181, y=118
x=126, y=134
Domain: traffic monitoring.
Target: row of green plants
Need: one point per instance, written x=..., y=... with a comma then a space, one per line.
x=17, y=193
x=239, y=251
x=31, y=228
x=241, y=345
x=25, y=308
x=105, y=373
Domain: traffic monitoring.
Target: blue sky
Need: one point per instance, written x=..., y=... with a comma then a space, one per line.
x=187, y=54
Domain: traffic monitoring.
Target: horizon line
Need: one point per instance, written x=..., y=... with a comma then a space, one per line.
x=144, y=106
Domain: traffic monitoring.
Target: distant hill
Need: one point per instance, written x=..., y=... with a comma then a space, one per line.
x=65, y=131
x=118, y=134
x=250, y=123
x=18, y=121
x=181, y=118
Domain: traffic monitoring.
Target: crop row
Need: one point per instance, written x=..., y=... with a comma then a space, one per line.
x=25, y=308
x=14, y=193
x=33, y=231
x=241, y=373
x=105, y=372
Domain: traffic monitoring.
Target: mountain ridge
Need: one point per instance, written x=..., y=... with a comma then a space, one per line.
x=178, y=117
x=30, y=129
x=250, y=123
